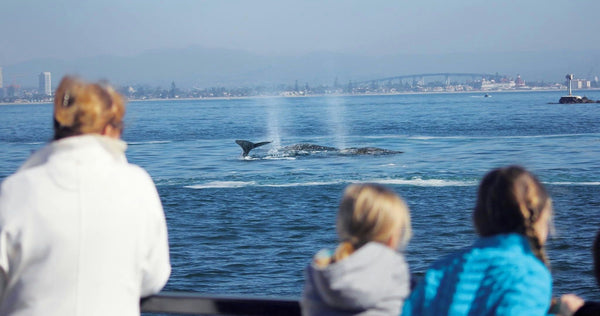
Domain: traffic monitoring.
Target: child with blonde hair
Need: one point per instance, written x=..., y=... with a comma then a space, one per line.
x=365, y=275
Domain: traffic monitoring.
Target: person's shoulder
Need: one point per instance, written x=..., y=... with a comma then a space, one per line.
x=451, y=259
x=136, y=175
x=20, y=177
x=135, y=169
x=517, y=264
x=130, y=170
x=520, y=262
x=521, y=271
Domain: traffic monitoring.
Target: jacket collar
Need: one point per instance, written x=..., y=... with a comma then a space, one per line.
x=114, y=147
x=511, y=241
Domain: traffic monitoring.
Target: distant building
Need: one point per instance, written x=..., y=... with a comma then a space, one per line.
x=12, y=91
x=1, y=86
x=45, y=86
x=519, y=83
x=493, y=85
x=581, y=84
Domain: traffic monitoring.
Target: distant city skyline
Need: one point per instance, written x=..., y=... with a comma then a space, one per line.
x=204, y=68
x=416, y=83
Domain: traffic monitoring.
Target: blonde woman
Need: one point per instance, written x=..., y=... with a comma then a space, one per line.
x=82, y=232
x=505, y=271
x=365, y=275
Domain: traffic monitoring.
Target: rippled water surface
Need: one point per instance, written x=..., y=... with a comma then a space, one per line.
x=249, y=226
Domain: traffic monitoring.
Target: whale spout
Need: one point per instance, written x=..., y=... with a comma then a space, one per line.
x=247, y=146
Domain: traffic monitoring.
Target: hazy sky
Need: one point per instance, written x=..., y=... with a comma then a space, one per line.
x=80, y=28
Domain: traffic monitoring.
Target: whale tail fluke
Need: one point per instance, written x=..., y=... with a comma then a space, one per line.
x=247, y=146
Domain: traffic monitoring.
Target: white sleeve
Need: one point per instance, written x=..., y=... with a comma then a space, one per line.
x=4, y=241
x=156, y=266
x=4, y=265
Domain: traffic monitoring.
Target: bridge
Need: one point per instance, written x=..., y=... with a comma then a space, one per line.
x=420, y=78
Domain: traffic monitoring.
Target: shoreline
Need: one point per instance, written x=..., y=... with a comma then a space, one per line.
x=325, y=95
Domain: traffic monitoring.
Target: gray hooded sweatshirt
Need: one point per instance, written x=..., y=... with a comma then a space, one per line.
x=374, y=280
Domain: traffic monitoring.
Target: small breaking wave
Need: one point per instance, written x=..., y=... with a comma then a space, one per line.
x=418, y=182
x=569, y=183
x=222, y=185
x=303, y=184
x=251, y=158
x=279, y=158
x=242, y=184
x=475, y=137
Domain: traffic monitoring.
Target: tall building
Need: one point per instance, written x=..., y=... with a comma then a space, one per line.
x=45, y=83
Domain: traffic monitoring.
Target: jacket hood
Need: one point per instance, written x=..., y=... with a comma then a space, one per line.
x=66, y=157
x=375, y=277
x=113, y=147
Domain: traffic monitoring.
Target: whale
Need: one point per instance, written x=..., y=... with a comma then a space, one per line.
x=304, y=149
x=368, y=151
x=247, y=146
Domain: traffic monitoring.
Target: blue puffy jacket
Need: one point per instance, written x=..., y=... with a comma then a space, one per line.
x=497, y=275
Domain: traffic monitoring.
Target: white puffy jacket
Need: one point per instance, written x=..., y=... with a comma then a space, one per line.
x=82, y=232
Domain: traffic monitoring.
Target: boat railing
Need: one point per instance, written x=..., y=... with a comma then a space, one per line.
x=188, y=303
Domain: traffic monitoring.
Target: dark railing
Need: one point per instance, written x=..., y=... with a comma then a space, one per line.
x=186, y=303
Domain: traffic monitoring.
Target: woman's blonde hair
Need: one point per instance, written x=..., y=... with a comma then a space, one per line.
x=84, y=108
x=511, y=200
x=370, y=212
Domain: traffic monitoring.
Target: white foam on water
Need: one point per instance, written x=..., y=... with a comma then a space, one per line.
x=221, y=185
x=426, y=137
x=304, y=184
x=279, y=158
x=409, y=182
x=428, y=182
x=592, y=183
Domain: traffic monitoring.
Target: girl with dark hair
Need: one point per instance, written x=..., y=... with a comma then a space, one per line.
x=505, y=272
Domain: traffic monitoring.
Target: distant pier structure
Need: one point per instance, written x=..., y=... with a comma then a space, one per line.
x=437, y=82
x=419, y=79
x=571, y=99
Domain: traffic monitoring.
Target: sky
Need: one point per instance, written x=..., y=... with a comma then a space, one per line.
x=67, y=29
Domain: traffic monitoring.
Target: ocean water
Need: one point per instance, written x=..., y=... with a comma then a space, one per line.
x=249, y=226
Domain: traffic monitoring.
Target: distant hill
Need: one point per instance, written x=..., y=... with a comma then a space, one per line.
x=203, y=67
